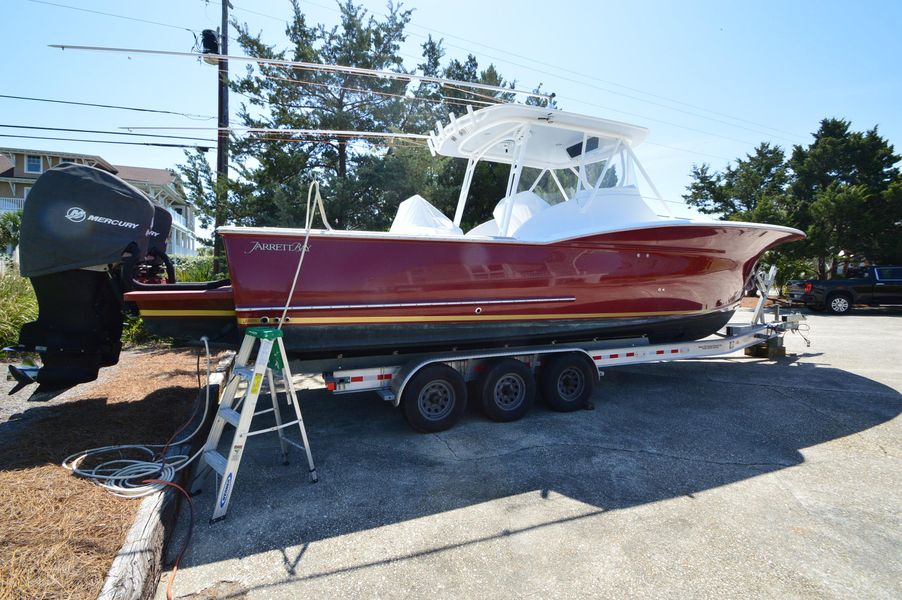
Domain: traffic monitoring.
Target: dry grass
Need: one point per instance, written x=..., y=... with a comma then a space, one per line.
x=58, y=533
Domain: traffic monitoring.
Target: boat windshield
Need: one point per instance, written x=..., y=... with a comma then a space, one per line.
x=560, y=185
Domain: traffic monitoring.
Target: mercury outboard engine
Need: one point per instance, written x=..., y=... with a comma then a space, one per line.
x=86, y=234
x=156, y=267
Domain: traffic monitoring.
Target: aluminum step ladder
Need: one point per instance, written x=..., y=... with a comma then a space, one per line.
x=240, y=414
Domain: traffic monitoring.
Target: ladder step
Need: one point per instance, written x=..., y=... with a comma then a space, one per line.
x=229, y=415
x=216, y=461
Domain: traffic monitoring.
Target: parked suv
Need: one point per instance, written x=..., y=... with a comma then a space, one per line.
x=875, y=286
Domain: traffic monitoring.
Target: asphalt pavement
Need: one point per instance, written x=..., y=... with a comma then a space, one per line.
x=727, y=477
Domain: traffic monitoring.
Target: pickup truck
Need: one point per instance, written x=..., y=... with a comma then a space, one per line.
x=875, y=286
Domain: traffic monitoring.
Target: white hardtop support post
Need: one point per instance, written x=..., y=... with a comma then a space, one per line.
x=557, y=182
x=464, y=191
x=537, y=180
x=648, y=180
x=522, y=138
x=581, y=176
x=607, y=167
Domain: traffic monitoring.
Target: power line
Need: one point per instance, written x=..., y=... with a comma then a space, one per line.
x=174, y=137
x=106, y=14
x=558, y=69
x=59, y=139
x=608, y=82
x=686, y=127
x=149, y=110
x=687, y=150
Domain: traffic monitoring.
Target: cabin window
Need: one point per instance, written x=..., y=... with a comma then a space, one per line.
x=33, y=164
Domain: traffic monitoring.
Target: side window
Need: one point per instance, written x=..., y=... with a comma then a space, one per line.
x=33, y=164
x=885, y=273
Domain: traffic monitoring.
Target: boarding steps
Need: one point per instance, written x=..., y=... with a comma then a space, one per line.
x=239, y=414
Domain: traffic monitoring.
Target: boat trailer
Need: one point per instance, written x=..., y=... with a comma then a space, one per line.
x=432, y=389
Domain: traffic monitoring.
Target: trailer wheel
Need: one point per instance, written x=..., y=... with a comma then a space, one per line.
x=567, y=382
x=506, y=390
x=839, y=303
x=434, y=399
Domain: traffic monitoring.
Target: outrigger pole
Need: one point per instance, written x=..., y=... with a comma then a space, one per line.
x=315, y=66
x=333, y=132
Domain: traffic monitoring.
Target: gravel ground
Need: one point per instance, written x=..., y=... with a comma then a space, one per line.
x=59, y=533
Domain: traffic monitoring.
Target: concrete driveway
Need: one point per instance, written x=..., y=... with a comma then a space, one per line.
x=709, y=478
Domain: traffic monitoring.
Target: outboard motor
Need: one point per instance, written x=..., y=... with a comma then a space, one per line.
x=85, y=234
x=156, y=267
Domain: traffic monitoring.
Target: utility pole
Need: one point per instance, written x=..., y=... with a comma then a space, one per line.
x=222, y=147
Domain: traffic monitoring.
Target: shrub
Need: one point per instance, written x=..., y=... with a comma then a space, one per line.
x=195, y=268
x=18, y=304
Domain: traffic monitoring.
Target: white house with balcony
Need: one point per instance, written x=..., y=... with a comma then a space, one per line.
x=19, y=168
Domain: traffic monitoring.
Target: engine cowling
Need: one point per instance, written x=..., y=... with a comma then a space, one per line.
x=86, y=234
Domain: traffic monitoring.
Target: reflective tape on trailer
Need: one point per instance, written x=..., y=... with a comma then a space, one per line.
x=359, y=379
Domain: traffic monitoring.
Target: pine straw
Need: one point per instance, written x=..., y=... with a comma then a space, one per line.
x=58, y=533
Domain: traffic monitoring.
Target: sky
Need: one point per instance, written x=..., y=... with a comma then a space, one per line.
x=710, y=79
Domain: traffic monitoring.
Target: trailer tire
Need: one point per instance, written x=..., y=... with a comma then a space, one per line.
x=506, y=390
x=434, y=399
x=567, y=382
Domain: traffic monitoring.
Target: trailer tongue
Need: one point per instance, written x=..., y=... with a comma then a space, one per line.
x=86, y=235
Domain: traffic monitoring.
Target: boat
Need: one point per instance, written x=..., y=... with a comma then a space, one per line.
x=575, y=250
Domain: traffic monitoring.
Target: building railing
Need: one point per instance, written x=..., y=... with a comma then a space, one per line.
x=177, y=218
x=11, y=204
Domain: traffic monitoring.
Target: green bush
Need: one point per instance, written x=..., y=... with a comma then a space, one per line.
x=195, y=268
x=18, y=304
x=135, y=334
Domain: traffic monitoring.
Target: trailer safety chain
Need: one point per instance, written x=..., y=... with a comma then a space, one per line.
x=802, y=329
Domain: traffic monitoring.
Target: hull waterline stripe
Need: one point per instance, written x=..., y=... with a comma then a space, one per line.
x=409, y=304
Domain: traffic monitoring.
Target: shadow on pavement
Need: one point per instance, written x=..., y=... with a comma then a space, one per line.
x=657, y=432
x=49, y=433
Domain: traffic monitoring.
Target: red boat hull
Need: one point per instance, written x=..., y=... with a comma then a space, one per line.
x=363, y=292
